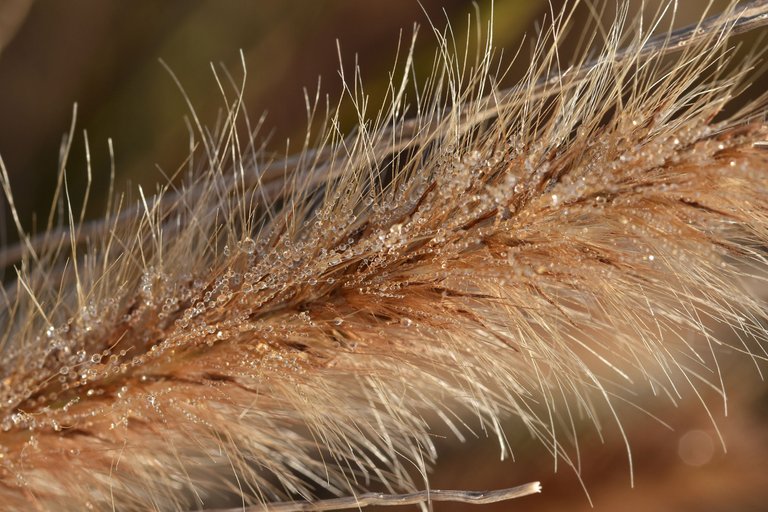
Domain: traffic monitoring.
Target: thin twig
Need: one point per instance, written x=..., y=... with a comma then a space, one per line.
x=379, y=499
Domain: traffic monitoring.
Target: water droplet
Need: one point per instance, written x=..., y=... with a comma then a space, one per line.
x=248, y=246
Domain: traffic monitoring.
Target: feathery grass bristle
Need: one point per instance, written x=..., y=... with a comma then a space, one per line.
x=281, y=330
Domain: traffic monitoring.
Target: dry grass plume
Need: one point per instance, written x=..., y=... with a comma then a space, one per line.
x=289, y=330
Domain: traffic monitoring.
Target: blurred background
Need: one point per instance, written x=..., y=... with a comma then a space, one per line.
x=103, y=55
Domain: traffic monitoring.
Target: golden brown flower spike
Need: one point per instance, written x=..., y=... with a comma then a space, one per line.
x=535, y=252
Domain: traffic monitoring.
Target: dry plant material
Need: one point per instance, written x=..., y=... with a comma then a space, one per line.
x=275, y=332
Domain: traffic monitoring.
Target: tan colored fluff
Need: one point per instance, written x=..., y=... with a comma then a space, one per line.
x=283, y=331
